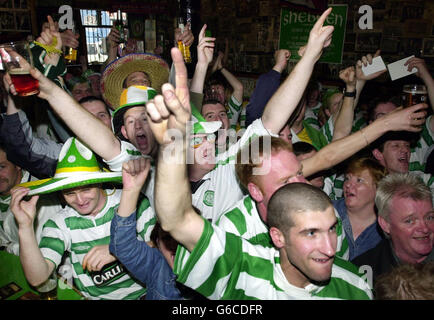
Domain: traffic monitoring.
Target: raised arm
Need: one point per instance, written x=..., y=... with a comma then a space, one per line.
x=266, y=86
x=355, y=80
x=38, y=156
x=205, y=51
x=168, y=116
x=408, y=119
x=84, y=124
x=286, y=98
x=36, y=268
x=345, y=116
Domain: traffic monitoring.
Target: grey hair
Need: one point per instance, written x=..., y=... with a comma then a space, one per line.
x=406, y=185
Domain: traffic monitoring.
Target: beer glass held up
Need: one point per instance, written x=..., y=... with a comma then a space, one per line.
x=413, y=94
x=24, y=83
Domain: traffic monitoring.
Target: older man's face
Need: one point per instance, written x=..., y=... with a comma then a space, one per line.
x=411, y=228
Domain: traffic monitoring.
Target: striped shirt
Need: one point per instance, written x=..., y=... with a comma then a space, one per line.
x=233, y=111
x=419, y=152
x=244, y=220
x=77, y=234
x=225, y=266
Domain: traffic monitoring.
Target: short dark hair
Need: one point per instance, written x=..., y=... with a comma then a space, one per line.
x=302, y=147
x=293, y=198
x=92, y=99
x=372, y=105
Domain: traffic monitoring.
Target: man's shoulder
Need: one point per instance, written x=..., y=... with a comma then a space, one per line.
x=240, y=209
x=374, y=256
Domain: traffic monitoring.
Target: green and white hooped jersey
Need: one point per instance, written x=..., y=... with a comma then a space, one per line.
x=221, y=189
x=420, y=151
x=130, y=152
x=225, y=266
x=77, y=234
x=244, y=220
x=233, y=111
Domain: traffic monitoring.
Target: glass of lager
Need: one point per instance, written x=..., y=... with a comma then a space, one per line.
x=413, y=94
x=48, y=289
x=24, y=83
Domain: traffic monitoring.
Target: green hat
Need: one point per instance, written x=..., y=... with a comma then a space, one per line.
x=200, y=125
x=327, y=95
x=89, y=73
x=77, y=166
x=131, y=97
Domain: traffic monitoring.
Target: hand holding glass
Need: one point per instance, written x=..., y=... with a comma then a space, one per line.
x=24, y=83
x=413, y=94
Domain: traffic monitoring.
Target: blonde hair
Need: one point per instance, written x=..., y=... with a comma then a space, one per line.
x=407, y=282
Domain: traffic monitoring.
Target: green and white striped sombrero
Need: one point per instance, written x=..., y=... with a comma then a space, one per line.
x=77, y=166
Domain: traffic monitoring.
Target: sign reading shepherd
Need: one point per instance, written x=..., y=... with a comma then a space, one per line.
x=296, y=25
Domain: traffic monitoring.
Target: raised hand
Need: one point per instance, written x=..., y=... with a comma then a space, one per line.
x=134, y=173
x=281, y=57
x=69, y=39
x=46, y=86
x=205, y=47
x=364, y=61
x=407, y=119
x=114, y=38
x=24, y=211
x=320, y=37
x=172, y=109
x=348, y=76
x=420, y=65
x=186, y=36
x=48, y=34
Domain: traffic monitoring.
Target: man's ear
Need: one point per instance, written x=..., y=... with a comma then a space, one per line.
x=255, y=192
x=378, y=155
x=124, y=132
x=277, y=237
x=384, y=224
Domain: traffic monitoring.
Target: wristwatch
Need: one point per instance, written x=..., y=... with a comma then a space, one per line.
x=350, y=94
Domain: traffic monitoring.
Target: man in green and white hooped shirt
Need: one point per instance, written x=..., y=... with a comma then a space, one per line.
x=82, y=228
x=225, y=266
x=248, y=218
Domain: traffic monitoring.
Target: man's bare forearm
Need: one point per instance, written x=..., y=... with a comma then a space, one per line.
x=36, y=268
x=85, y=125
x=283, y=103
x=173, y=197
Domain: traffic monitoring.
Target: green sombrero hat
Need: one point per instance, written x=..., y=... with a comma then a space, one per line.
x=116, y=72
x=131, y=97
x=77, y=166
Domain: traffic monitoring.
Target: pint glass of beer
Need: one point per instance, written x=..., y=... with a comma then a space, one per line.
x=413, y=94
x=24, y=83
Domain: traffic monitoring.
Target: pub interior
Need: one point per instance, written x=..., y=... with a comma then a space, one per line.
x=381, y=54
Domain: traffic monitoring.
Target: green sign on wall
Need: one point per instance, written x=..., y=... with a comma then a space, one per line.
x=295, y=27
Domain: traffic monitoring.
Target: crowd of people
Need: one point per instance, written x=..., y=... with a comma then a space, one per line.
x=151, y=185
